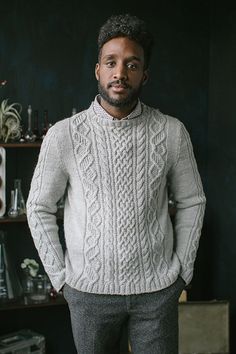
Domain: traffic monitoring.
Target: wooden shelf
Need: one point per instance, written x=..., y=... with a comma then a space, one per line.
x=6, y=219
x=22, y=304
x=36, y=144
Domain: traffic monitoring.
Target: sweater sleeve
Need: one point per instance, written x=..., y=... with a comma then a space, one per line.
x=47, y=187
x=186, y=186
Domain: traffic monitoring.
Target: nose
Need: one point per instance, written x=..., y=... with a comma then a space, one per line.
x=120, y=72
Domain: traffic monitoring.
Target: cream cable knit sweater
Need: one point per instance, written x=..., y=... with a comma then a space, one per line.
x=119, y=236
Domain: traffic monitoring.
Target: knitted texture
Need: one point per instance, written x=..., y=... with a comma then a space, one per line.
x=114, y=175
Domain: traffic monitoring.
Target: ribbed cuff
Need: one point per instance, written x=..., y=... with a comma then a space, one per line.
x=186, y=274
x=57, y=280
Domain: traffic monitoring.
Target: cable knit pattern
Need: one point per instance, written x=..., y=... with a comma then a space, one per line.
x=103, y=148
x=125, y=221
x=53, y=265
x=118, y=233
x=141, y=194
x=83, y=150
x=158, y=158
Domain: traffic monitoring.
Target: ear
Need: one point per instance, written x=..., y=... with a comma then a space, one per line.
x=145, y=77
x=97, y=71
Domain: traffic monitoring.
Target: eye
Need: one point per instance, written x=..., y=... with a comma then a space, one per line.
x=110, y=64
x=132, y=66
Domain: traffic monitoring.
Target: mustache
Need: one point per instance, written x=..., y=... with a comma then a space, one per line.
x=118, y=82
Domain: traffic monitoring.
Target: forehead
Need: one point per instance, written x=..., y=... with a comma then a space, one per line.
x=122, y=47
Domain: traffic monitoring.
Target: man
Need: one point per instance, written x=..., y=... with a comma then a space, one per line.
x=124, y=262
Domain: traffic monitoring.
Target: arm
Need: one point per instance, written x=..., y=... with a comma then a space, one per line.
x=47, y=187
x=186, y=186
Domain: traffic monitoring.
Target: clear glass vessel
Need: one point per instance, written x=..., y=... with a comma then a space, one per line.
x=17, y=206
x=29, y=134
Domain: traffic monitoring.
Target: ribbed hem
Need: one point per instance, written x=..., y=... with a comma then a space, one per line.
x=127, y=288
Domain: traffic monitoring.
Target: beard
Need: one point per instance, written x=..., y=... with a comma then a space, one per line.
x=130, y=99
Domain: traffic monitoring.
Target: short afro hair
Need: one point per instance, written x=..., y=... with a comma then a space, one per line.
x=126, y=26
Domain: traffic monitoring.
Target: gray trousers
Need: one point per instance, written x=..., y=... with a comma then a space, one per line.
x=151, y=318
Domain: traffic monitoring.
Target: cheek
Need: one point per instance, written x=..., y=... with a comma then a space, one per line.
x=104, y=78
x=138, y=82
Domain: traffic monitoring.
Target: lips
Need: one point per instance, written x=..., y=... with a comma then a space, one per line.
x=118, y=87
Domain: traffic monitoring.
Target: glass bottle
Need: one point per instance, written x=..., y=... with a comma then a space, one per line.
x=29, y=135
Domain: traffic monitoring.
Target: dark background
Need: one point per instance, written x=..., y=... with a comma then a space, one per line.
x=48, y=52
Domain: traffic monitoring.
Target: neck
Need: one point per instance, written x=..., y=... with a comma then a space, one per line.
x=117, y=112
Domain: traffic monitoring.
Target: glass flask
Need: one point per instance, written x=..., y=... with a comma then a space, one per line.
x=10, y=286
x=17, y=207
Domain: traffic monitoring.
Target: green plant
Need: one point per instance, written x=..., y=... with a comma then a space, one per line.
x=10, y=119
x=30, y=266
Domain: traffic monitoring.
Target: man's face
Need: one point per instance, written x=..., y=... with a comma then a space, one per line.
x=120, y=73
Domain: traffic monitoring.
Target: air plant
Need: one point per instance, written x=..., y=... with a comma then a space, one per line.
x=10, y=119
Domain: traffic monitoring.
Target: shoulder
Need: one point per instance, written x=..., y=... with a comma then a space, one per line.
x=175, y=126
x=62, y=128
x=157, y=115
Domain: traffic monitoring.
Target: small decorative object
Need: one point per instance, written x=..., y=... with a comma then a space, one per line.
x=10, y=121
x=17, y=207
x=39, y=288
x=3, y=82
x=35, y=285
x=29, y=134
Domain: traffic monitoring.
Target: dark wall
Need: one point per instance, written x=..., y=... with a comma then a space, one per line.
x=48, y=53
x=221, y=187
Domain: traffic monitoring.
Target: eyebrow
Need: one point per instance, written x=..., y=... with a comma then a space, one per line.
x=112, y=56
